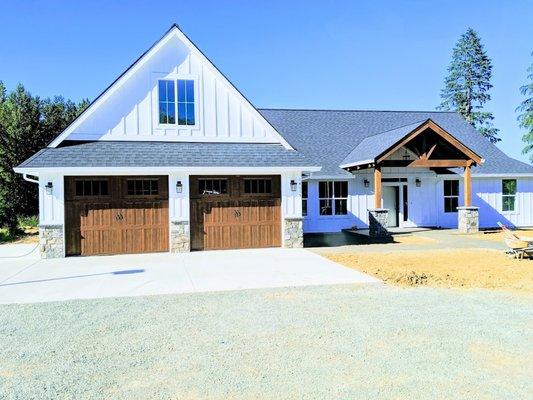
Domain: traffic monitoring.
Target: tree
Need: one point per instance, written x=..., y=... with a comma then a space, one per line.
x=466, y=88
x=27, y=124
x=526, y=118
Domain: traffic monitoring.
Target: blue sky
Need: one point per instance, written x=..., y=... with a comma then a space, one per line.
x=387, y=55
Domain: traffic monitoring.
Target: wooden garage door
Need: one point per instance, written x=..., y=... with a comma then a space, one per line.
x=234, y=212
x=116, y=215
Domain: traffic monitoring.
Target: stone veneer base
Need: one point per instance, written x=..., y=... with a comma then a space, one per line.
x=468, y=219
x=180, y=238
x=51, y=241
x=293, y=234
x=378, y=223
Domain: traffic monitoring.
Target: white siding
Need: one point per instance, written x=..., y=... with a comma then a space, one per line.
x=178, y=203
x=51, y=206
x=131, y=111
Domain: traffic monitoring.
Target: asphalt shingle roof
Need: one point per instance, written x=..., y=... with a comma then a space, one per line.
x=326, y=137
x=167, y=154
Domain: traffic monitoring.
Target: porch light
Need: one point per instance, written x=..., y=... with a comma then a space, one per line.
x=179, y=187
x=49, y=188
x=294, y=185
x=366, y=182
x=418, y=182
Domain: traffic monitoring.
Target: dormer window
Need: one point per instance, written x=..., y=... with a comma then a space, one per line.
x=184, y=106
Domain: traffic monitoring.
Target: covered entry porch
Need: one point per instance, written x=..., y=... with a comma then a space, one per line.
x=403, y=161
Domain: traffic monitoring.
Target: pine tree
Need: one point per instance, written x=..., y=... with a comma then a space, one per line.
x=526, y=118
x=468, y=83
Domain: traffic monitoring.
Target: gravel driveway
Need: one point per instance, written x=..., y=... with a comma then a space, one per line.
x=322, y=342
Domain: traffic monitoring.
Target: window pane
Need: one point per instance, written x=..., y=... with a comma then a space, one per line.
x=104, y=188
x=268, y=186
x=181, y=91
x=170, y=91
x=190, y=90
x=79, y=188
x=304, y=189
x=509, y=186
x=325, y=189
x=325, y=207
x=247, y=186
x=341, y=189
x=190, y=114
x=508, y=203
x=182, y=114
x=223, y=186
x=163, y=118
x=171, y=114
x=304, y=207
x=162, y=91
x=340, y=207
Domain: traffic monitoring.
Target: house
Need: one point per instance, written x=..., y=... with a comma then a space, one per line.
x=172, y=157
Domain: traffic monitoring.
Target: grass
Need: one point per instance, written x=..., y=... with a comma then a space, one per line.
x=452, y=268
x=29, y=231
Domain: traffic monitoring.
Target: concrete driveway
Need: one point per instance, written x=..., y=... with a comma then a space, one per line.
x=28, y=279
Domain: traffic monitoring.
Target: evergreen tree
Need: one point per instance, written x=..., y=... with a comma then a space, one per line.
x=526, y=118
x=27, y=124
x=467, y=85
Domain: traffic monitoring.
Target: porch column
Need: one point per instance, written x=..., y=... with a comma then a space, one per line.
x=468, y=216
x=378, y=217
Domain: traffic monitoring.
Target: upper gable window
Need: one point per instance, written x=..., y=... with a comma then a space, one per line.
x=186, y=102
x=167, y=102
x=183, y=105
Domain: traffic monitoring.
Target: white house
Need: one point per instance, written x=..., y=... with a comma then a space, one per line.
x=172, y=157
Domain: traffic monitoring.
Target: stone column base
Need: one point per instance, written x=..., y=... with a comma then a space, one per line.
x=468, y=219
x=51, y=241
x=377, y=222
x=180, y=239
x=293, y=234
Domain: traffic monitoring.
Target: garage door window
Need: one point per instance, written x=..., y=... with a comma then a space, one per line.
x=257, y=186
x=143, y=187
x=212, y=186
x=89, y=188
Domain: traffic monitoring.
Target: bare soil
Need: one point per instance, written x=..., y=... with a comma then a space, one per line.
x=461, y=268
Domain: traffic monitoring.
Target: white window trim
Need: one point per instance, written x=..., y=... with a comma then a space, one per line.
x=444, y=196
x=515, y=211
x=197, y=102
x=333, y=215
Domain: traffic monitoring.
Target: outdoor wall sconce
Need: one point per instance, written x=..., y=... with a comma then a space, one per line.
x=179, y=187
x=418, y=182
x=294, y=185
x=49, y=187
x=366, y=182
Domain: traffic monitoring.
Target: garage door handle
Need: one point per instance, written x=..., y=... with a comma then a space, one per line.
x=237, y=213
x=119, y=217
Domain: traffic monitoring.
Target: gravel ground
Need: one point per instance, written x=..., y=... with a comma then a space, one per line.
x=325, y=342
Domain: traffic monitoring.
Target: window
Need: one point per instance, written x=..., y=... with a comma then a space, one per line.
x=167, y=102
x=186, y=102
x=213, y=186
x=304, y=198
x=143, y=187
x=333, y=197
x=451, y=196
x=92, y=188
x=257, y=186
x=508, y=194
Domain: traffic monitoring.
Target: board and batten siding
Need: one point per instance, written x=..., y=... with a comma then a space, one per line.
x=131, y=112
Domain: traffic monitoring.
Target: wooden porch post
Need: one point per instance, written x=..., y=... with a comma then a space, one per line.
x=468, y=186
x=377, y=186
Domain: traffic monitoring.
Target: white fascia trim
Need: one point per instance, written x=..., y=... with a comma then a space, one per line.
x=163, y=170
x=357, y=163
x=133, y=69
x=509, y=175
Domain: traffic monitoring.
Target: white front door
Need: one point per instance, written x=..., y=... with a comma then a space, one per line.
x=391, y=202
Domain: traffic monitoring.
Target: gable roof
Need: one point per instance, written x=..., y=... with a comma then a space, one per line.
x=103, y=154
x=327, y=137
x=174, y=31
x=380, y=146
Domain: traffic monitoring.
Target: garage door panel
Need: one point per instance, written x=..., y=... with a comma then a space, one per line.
x=235, y=219
x=115, y=221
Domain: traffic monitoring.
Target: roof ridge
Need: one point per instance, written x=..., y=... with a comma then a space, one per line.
x=353, y=110
x=398, y=127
